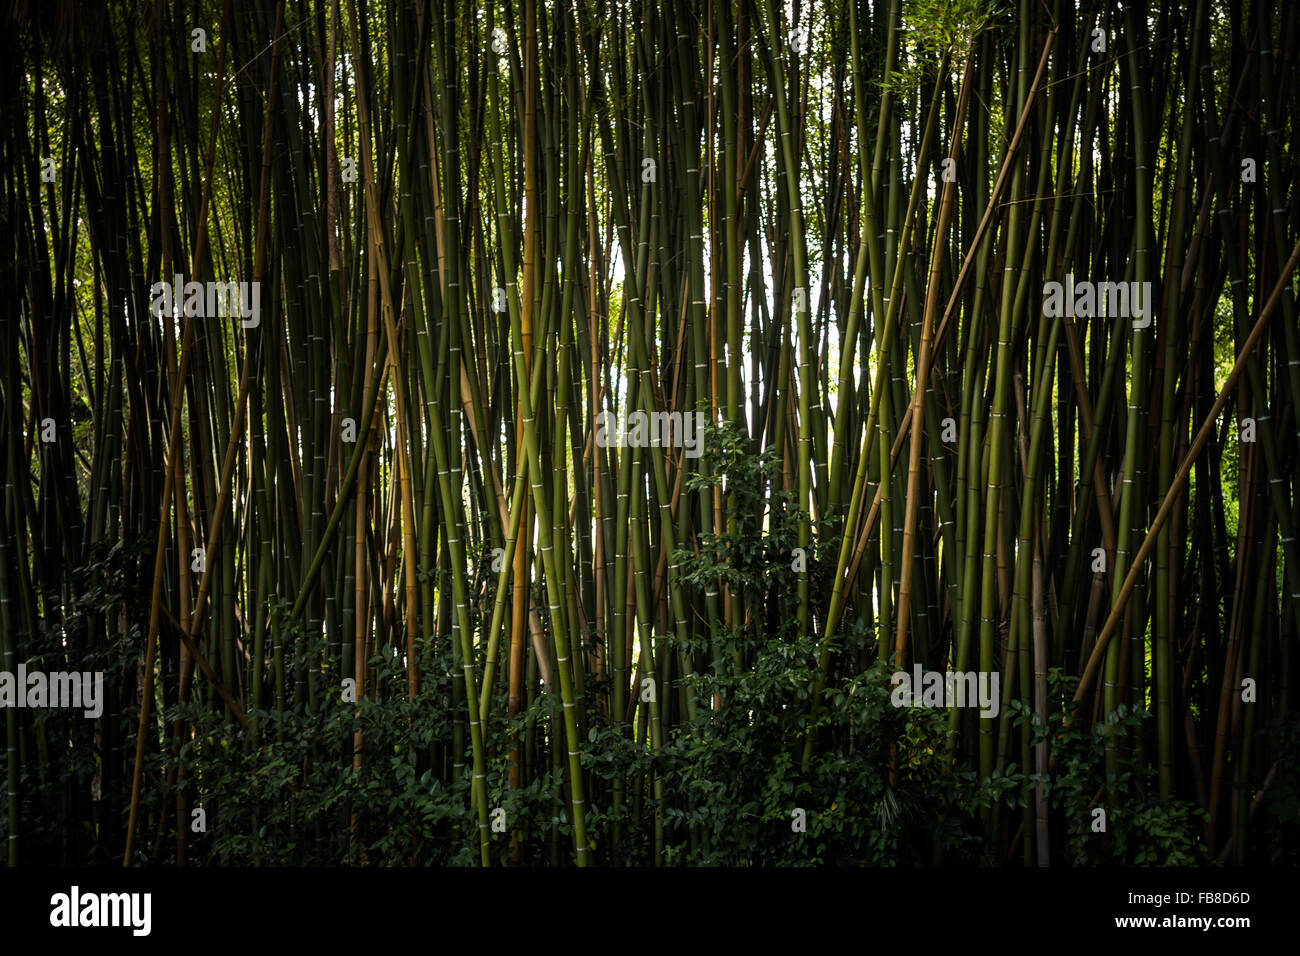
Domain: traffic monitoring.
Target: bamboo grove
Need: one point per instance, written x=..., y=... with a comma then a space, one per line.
x=365, y=586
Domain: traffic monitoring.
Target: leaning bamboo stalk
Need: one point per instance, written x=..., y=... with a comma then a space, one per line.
x=916, y=409
x=173, y=448
x=1180, y=478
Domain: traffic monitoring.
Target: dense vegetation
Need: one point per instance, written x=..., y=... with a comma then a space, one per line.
x=366, y=580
